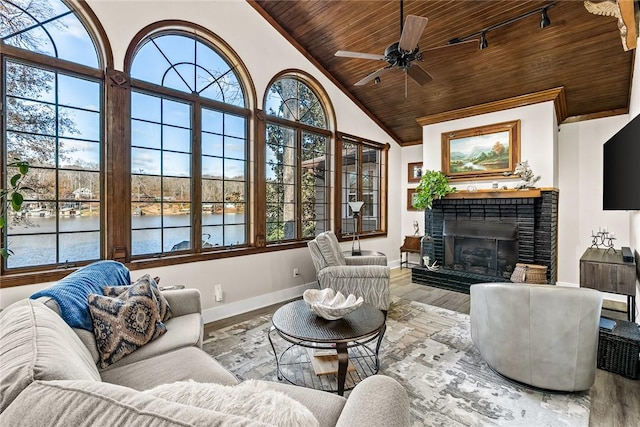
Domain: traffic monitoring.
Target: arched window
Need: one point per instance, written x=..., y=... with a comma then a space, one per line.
x=189, y=147
x=297, y=161
x=53, y=84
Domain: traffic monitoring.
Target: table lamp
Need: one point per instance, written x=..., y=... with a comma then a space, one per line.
x=355, y=208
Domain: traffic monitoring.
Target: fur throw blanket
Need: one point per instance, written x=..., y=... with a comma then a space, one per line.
x=250, y=399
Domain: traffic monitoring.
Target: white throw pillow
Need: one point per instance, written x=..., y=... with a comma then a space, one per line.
x=250, y=399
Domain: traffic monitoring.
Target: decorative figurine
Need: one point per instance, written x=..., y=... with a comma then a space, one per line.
x=603, y=238
x=416, y=228
x=527, y=178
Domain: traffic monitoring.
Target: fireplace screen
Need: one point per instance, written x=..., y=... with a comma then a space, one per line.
x=489, y=248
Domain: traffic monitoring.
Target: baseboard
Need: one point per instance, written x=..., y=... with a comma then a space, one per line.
x=254, y=303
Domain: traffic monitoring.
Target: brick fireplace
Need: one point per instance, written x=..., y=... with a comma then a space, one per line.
x=478, y=237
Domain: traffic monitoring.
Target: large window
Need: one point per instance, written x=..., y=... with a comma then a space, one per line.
x=297, y=162
x=52, y=94
x=363, y=177
x=189, y=133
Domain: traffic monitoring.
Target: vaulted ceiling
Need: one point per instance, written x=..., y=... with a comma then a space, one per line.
x=579, y=51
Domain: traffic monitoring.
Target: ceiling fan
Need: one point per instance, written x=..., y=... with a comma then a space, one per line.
x=402, y=54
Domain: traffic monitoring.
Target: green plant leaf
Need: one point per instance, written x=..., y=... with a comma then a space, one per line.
x=15, y=178
x=2, y=222
x=16, y=201
x=24, y=167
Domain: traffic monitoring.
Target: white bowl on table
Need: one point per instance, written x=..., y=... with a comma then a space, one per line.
x=329, y=304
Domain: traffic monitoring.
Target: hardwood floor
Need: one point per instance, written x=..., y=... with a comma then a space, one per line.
x=615, y=400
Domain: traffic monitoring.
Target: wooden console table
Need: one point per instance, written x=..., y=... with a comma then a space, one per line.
x=605, y=271
x=411, y=244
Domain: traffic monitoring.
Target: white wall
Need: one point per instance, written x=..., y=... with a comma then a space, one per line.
x=580, y=183
x=254, y=281
x=411, y=154
x=634, y=110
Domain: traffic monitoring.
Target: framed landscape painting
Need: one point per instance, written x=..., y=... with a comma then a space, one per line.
x=484, y=152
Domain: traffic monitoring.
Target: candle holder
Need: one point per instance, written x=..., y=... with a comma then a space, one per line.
x=602, y=238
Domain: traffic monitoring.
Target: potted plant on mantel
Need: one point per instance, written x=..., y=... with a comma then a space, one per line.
x=13, y=195
x=433, y=185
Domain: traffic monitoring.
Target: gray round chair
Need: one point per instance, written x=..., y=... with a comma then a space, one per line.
x=541, y=335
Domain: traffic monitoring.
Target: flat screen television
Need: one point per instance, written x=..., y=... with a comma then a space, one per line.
x=621, y=180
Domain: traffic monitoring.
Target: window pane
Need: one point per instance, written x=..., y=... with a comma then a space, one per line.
x=234, y=169
x=79, y=123
x=176, y=214
x=176, y=164
x=176, y=113
x=79, y=216
x=79, y=247
x=31, y=116
x=212, y=121
x=145, y=161
x=176, y=189
x=79, y=154
x=234, y=235
x=145, y=134
x=64, y=31
x=78, y=185
x=235, y=126
x=212, y=213
x=212, y=191
x=235, y=148
x=146, y=241
x=35, y=149
x=76, y=92
x=145, y=107
x=146, y=215
x=30, y=82
x=212, y=144
x=31, y=250
x=176, y=239
x=176, y=139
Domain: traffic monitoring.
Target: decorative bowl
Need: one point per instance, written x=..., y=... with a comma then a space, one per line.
x=329, y=304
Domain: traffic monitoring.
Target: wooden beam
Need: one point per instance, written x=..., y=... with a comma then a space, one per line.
x=557, y=95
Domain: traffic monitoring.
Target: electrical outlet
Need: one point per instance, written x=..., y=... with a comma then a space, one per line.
x=296, y=272
x=218, y=292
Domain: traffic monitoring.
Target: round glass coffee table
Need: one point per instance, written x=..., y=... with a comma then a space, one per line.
x=312, y=340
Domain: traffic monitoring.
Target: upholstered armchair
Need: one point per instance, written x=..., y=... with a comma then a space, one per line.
x=365, y=276
x=544, y=336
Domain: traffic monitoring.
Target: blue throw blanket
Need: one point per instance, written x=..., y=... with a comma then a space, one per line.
x=71, y=293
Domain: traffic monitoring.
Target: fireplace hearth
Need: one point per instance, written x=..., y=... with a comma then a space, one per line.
x=479, y=238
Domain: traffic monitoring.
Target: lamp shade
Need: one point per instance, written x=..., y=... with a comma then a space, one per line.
x=356, y=206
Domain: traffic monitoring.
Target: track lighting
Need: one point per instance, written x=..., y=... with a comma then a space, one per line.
x=483, y=41
x=544, y=22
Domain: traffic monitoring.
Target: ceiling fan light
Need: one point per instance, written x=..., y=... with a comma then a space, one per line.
x=483, y=41
x=544, y=20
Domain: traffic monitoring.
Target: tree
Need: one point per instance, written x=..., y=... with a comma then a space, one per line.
x=498, y=149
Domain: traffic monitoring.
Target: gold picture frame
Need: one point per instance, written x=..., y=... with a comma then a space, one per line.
x=414, y=172
x=484, y=152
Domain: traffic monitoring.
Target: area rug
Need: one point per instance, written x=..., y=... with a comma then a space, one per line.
x=429, y=351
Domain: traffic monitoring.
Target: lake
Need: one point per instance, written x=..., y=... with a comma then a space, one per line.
x=80, y=240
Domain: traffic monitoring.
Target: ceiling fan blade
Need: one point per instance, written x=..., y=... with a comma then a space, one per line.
x=359, y=55
x=419, y=75
x=411, y=32
x=372, y=76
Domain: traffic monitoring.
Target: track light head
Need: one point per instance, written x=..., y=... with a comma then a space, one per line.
x=544, y=20
x=483, y=41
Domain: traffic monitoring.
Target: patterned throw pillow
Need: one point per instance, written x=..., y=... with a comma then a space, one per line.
x=163, y=305
x=124, y=324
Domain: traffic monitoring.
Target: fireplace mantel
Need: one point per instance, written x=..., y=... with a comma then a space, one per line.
x=498, y=194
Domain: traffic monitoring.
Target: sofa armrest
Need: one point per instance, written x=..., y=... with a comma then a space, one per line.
x=370, y=282
x=183, y=301
x=377, y=401
x=366, y=260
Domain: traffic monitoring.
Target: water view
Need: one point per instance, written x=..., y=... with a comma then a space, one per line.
x=80, y=237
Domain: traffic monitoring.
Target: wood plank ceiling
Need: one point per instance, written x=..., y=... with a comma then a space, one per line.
x=580, y=51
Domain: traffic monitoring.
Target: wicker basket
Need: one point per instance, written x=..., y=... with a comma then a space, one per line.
x=619, y=350
x=529, y=273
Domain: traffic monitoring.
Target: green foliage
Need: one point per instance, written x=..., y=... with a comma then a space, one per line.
x=12, y=196
x=433, y=185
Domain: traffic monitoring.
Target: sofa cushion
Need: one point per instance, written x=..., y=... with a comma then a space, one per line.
x=100, y=404
x=250, y=399
x=188, y=363
x=36, y=344
x=183, y=331
x=124, y=324
x=163, y=306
